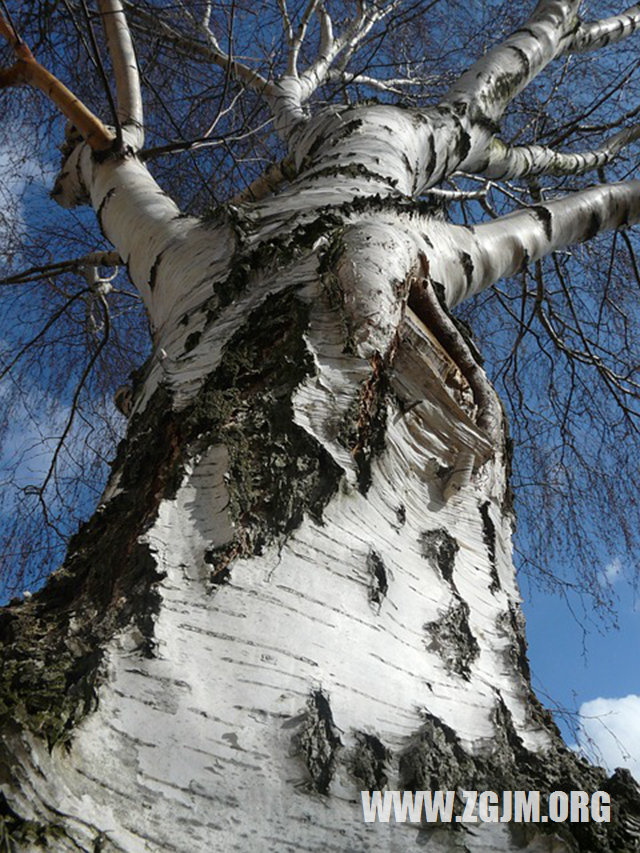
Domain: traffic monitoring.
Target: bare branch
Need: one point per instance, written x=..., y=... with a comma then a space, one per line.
x=286, y=21
x=209, y=50
x=490, y=84
x=296, y=44
x=27, y=70
x=505, y=161
x=475, y=258
x=597, y=34
x=395, y=85
x=96, y=259
x=346, y=44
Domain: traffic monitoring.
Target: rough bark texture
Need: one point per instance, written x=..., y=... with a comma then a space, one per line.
x=299, y=582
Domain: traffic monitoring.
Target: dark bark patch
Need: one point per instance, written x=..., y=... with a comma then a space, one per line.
x=489, y=539
x=463, y=145
x=543, y=214
x=511, y=623
x=153, y=273
x=363, y=430
x=344, y=130
x=401, y=515
x=440, y=548
x=277, y=472
x=16, y=833
x=368, y=762
x=219, y=559
x=379, y=583
x=451, y=637
x=192, y=341
x=433, y=159
x=594, y=226
x=319, y=742
x=434, y=759
x=102, y=205
x=268, y=256
x=466, y=262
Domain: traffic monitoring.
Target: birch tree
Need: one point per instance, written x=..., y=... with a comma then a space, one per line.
x=298, y=583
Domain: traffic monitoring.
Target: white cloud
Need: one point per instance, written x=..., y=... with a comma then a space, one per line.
x=609, y=732
x=613, y=570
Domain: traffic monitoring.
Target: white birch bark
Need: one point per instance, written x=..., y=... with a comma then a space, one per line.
x=314, y=509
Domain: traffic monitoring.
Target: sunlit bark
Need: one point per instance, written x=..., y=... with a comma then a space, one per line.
x=299, y=581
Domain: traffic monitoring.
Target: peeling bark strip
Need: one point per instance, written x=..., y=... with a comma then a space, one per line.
x=319, y=742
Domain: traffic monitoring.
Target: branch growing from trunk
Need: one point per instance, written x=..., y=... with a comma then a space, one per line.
x=93, y=259
x=506, y=162
x=468, y=260
x=263, y=186
x=28, y=71
x=125, y=68
x=597, y=34
x=487, y=88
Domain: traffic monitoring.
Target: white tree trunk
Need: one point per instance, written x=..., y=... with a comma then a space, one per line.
x=299, y=584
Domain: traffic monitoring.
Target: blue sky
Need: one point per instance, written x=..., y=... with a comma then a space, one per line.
x=595, y=673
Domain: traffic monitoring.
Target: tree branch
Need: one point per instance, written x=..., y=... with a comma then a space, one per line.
x=486, y=89
x=96, y=259
x=469, y=260
x=346, y=43
x=209, y=50
x=597, y=34
x=125, y=68
x=506, y=162
x=27, y=70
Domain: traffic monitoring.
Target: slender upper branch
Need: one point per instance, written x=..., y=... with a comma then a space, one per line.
x=296, y=44
x=125, y=67
x=209, y=49
x=27, y=70
x=345, y=44
x=597, y=34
